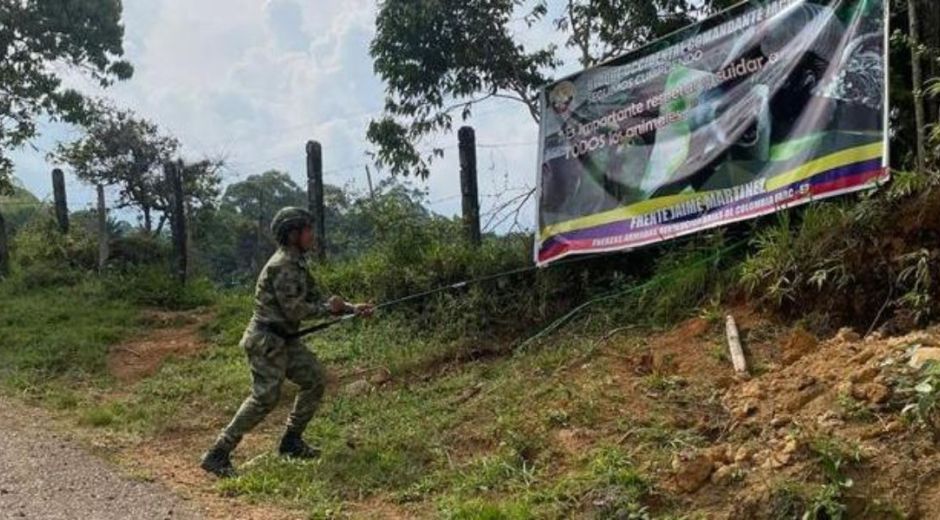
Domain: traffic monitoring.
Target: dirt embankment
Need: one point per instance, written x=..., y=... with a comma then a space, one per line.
x=171, y=334
x=818, y=424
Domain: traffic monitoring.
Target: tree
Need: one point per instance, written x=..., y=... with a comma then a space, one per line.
x=441, y=57
x=920, y=129
x=38, y=37
x=249, y=206
x=261, y=196
x=120, y=149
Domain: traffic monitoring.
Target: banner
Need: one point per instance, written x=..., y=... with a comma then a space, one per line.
x=765, y=106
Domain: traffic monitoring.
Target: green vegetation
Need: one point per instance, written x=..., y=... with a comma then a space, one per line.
x=54, y=338
x=39, y=46
x=485, y=398
x=919, y=395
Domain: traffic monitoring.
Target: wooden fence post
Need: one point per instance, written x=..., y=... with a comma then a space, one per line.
x=371, y=188
x=315, y=195
x=259, y=232
x=103, y=251
x=61, y=205
x=177, y=218
x=4, y=249
x=470, y=200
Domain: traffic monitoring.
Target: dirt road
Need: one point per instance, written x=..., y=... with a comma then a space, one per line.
x=44, y=474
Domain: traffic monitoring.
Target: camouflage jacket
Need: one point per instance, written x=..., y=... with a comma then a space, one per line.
x=285, y=293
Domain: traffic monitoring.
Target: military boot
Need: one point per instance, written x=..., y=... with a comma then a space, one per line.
x=218, y=462
x=293, y=446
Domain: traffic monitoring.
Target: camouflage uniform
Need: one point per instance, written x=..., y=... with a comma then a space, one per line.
x=284, y=296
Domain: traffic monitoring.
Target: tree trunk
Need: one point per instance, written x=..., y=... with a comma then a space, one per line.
x=174, y=177
x=470, y=199
x=4, y=251
x=160, y=224
x=932, y=40
x=315, y=197
x=148, y=224
x=102, y=230
x=61, y=206
x=917, y=74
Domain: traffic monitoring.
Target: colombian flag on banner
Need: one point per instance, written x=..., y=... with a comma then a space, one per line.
x=759, y=108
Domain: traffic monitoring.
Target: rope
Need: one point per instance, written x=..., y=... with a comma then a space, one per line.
x=416, y=296
x=655, y=280
x=553, y=326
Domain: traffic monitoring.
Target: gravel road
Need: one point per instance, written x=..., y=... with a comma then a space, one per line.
x=44, y=474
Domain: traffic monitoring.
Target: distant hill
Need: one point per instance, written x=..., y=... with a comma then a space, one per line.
x=19, y=208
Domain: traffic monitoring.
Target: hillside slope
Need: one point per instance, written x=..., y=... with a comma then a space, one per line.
x=633, y=423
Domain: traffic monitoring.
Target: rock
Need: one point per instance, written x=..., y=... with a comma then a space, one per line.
x=752, y=390
x=923, y=355
x=780, y=421
x=797, y=345
x=743, y=455
x=783, y=456
x=829, y=420
x=845, y=388
x=864, y=375
x=743, y=412
x=381, y=377
x=724, y=474
x=805, y=382
x=718, y=455
x=874, y=393
x=881, y=430
x=358, y=387
x=693, y=473
x=863, y=356
x=847, y=335
x=803, y=398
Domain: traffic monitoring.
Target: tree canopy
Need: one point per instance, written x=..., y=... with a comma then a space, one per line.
x=120, y=149
x=439, y=58
x=39, y=41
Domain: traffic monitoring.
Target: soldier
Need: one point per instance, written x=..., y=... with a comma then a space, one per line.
x=284, y=296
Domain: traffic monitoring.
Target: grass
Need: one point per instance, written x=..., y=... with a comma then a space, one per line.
x=489, y=456
x=468, y=426
x=57, y=337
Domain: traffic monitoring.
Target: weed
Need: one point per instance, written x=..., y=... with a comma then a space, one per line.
x=833, y=455
x=609, y=485
x=664, y=384
x=827, y=503
x=916, y=277
x=921, y=396
x=720, y=353
x=487, y=510
x=787, y=501
x=97, y=416
x=853, y=409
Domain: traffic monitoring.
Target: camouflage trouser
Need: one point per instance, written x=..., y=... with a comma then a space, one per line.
x=272, y=359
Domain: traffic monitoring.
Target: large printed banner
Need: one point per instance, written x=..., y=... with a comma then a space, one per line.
x=764, y=106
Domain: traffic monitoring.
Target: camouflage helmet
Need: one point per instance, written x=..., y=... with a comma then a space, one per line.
x=289, y=219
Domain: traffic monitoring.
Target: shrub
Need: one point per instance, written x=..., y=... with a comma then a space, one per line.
x=138, y=249
x=156, y=286
x=46, y=257
x=853, y=261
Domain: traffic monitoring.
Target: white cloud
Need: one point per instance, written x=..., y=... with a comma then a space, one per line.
x=255, y=79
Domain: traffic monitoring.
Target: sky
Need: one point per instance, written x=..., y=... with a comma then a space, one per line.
x=252, y=80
